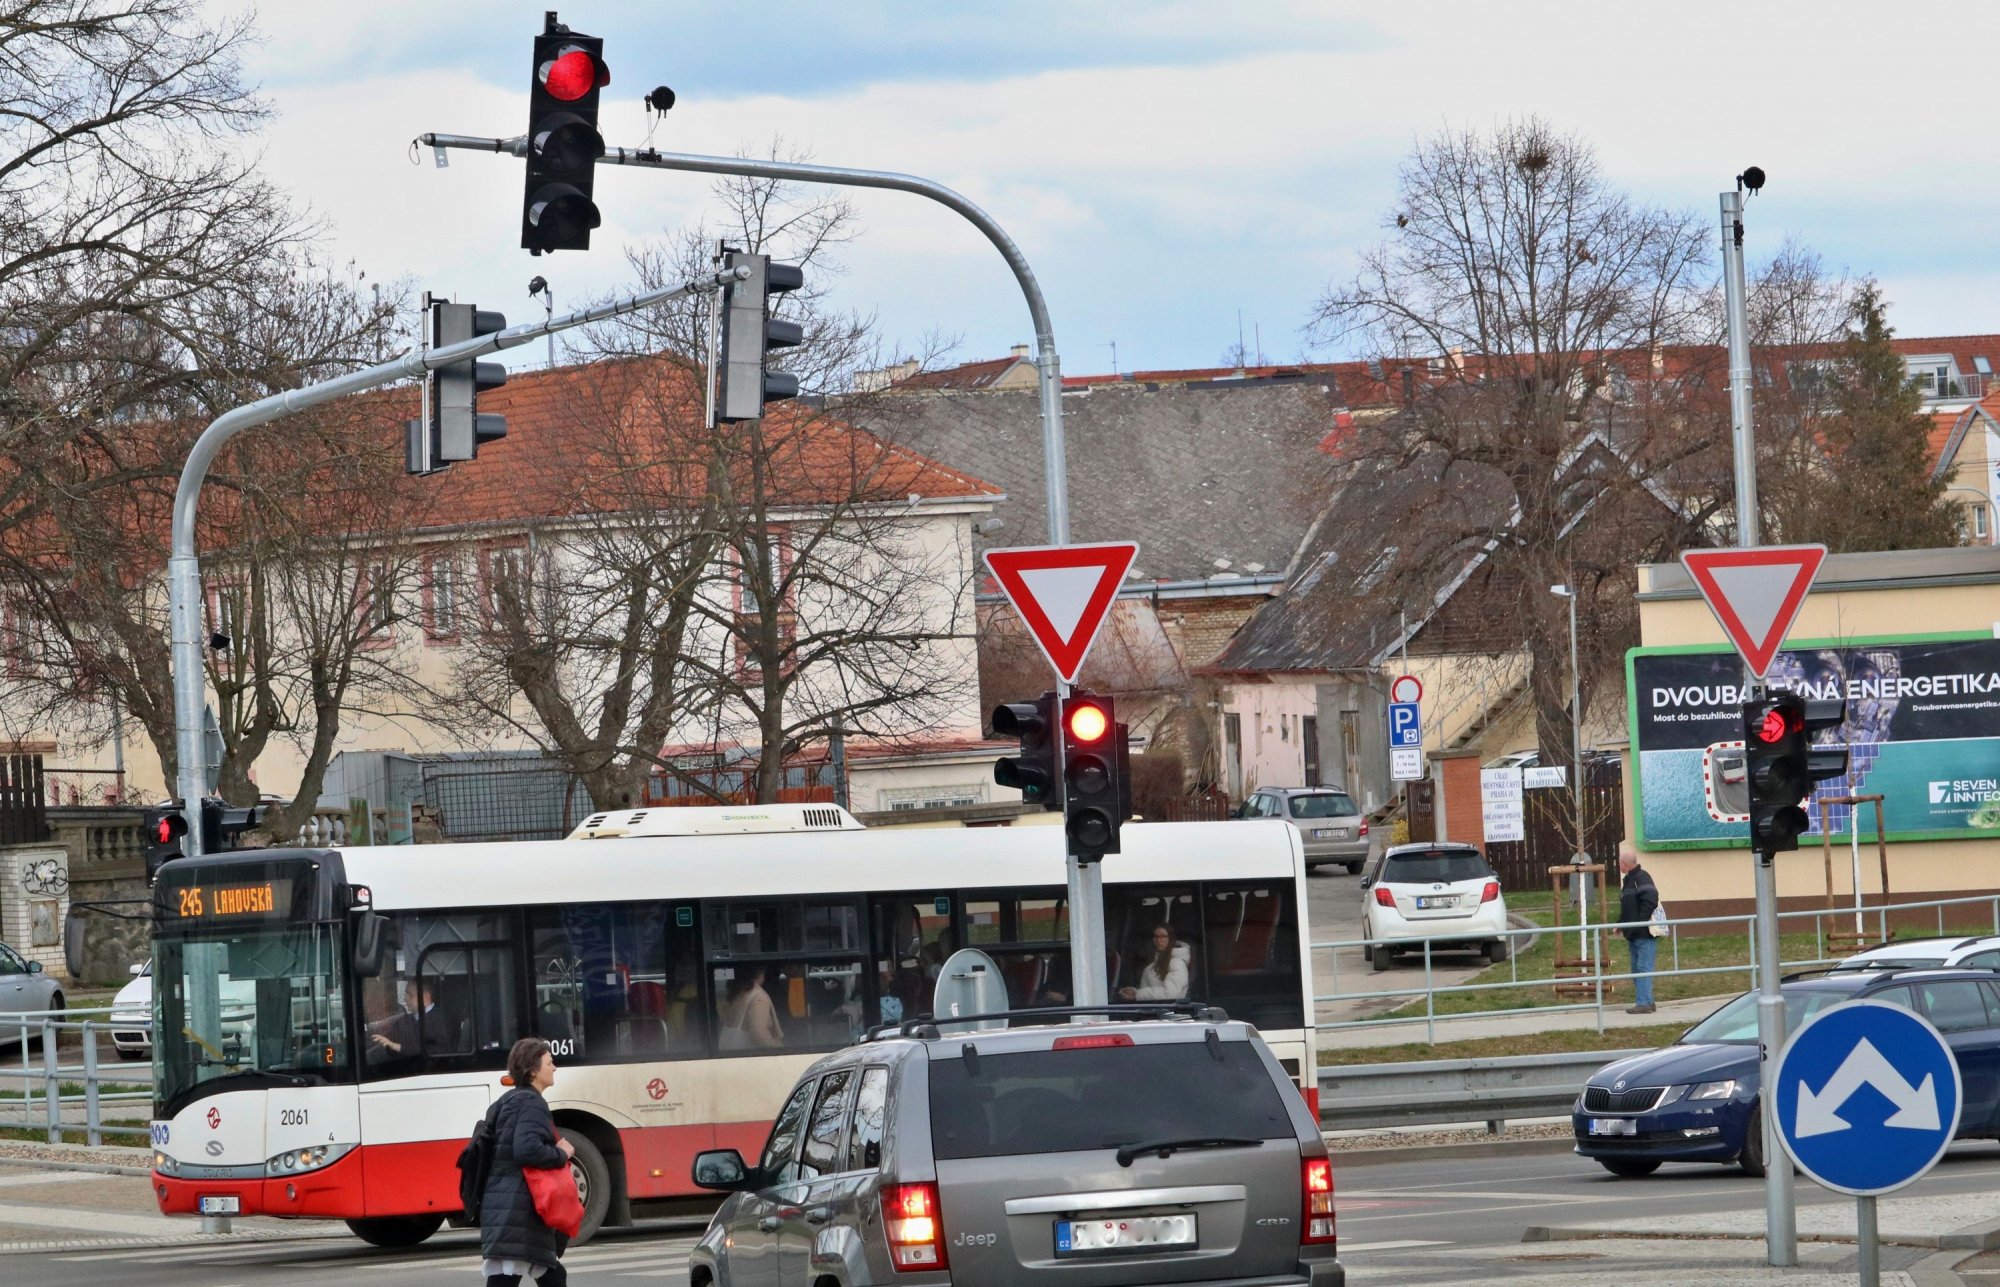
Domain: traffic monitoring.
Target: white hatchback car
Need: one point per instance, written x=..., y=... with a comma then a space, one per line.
x=1443, y=893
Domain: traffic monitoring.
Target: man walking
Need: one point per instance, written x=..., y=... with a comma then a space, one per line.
x=1637, y=897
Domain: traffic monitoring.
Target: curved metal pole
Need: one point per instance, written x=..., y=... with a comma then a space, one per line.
x=184, y=564
x=1048, y=368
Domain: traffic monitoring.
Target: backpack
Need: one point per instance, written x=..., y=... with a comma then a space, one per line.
x=475, y=1164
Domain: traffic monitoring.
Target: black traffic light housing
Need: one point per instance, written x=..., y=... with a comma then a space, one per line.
x=164, y=829
x=746, y=381
x=557, y=212
x=452, y=427
x=1033, y=771
x=1096, y=797
x=1782, y=765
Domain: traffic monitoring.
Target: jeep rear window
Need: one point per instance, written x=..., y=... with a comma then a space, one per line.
x=1057, y=1101
x=1323, y=806
x=1433, y=867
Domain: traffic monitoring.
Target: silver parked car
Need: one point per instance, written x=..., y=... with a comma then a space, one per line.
x=24, y=990
x=1146, y=1145
x=1329, y=823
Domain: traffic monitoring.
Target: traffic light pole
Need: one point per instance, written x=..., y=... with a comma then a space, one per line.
x=1086, y=882
x=184, y=564
x=1781, y=1239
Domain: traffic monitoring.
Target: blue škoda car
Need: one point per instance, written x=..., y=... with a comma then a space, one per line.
x=1697, y=1100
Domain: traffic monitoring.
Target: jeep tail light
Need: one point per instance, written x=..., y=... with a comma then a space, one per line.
x=1364, y=829
x=1384, y=897
x=910, y=1217
x=1318, y=1186
x=1491, y=892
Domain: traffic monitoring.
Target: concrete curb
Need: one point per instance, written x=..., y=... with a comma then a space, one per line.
x=1974, y=1239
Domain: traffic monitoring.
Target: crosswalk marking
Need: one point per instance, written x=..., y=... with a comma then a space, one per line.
x=632, y=1258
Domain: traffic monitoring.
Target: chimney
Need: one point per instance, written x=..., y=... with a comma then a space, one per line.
x=1409, y=386
x=1454, y=360
x=1020, y=352
x=1659, y=357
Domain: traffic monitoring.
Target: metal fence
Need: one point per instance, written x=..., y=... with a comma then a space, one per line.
x=41, y=1092
x=1601, y=981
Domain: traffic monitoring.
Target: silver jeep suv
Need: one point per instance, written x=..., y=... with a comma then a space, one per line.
x=1115, y=1145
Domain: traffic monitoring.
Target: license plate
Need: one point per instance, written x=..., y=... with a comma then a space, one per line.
x=1613, y=1126
x=1450, y=901
x=1131, y=1233
x=222, y=1206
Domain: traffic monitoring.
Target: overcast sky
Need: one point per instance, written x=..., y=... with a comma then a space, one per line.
x=1163, y=165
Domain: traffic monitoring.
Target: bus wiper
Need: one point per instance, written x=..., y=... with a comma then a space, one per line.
x=1164, y=1148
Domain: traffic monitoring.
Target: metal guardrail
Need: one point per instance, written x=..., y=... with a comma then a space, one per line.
x=1428, y=991
x=42, y=1078
x=1510, y=1088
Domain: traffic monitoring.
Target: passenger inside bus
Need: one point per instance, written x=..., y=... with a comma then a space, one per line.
x=1165, y=976
x=749, y=1017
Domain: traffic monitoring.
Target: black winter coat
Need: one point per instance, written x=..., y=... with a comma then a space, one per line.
x=1637, y=897
x=524, y=1135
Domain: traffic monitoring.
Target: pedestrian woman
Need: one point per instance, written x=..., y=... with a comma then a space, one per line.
x=512, y=1237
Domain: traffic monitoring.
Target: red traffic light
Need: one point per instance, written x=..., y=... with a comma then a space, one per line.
x=166, y=830
x=573, y=73
x=1088, y=723
x=1775, y=725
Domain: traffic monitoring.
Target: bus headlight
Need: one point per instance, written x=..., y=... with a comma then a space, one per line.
x=293, y=1161
x=165, y=1165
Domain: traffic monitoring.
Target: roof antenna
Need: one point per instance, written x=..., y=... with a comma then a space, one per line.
x=1114, y=357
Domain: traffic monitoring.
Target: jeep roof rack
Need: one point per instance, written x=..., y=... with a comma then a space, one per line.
x=925, y=1027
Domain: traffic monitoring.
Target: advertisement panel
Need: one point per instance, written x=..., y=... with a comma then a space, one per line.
x=1923, y=731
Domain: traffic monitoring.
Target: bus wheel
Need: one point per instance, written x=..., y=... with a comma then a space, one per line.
x=395, y=1231
x=593, y=1184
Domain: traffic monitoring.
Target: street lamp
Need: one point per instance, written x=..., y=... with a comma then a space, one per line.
x=1575, y=721
x=1576, y=752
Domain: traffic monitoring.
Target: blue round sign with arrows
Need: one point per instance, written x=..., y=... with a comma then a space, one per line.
x=1867, y=1097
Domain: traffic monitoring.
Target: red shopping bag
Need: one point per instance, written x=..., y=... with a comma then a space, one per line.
x=556, y=1198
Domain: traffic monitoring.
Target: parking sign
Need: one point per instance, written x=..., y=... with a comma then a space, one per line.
x=1405, y=726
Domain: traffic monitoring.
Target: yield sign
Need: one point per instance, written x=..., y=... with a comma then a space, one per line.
x=1755, y=593
x=1063, y=593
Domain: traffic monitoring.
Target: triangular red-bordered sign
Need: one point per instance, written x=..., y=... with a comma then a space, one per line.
x=1755, y=593
x=1063, y=593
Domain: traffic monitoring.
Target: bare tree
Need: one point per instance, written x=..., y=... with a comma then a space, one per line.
x=1529, y=286
x=764, y=583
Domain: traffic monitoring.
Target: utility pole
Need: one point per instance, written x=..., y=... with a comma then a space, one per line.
x=1780, y=1211
x=1086, y=880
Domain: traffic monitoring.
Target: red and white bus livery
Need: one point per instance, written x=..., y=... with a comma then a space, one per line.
x=330, y=1024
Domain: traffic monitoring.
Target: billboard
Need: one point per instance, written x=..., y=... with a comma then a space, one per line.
x=1923, y=731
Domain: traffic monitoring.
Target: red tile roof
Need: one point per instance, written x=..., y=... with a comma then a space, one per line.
x=968, y=376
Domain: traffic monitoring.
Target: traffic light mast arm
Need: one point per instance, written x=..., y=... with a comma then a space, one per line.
x=184, y=565
x=1047, y=365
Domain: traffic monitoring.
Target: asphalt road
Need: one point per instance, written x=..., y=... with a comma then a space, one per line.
x=1430, y=1220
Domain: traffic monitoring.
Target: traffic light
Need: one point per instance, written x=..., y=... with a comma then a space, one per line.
x=1033, y=772
x=749, y=334
x=162, y=834
x=453, y=427
x=1095, y=797
x=1782, y=765
x=164, y=830
x=459, y=428
x=557, y=212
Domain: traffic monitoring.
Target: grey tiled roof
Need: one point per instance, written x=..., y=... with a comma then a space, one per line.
x=1365, y=564
x=1194, y=473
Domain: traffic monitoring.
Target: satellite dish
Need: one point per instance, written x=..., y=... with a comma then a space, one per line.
x=969, y=985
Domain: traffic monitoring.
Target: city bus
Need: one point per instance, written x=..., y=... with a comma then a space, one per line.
x=331, y=1023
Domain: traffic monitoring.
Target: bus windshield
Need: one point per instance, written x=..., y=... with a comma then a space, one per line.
x=257, y=1003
